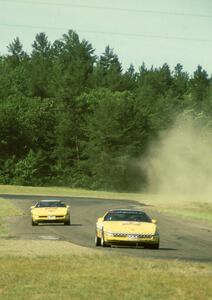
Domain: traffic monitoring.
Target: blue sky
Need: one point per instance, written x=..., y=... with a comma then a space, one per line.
x=154, y=31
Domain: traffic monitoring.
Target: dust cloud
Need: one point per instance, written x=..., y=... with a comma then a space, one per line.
x=180, y=162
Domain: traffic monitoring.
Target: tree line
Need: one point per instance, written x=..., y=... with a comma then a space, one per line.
x=71, y=118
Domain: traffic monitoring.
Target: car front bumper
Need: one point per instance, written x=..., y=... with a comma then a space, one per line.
x=50, y=219
x=132, y=240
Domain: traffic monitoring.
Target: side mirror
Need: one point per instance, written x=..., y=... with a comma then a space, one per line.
x=154, y=221
x=67, y=206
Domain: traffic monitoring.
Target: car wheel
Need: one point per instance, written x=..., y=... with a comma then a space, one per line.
x=68, y=222
x=155, y=246
x=97, y=241
x=34, y=223
x=103, y=244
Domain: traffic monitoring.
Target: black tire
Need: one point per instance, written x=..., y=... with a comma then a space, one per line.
x=34, y=223
x=103, y=244
x=67, y=223
x=155, y=246
x=97, y=241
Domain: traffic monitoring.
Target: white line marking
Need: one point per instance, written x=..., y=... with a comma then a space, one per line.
x=48, y=237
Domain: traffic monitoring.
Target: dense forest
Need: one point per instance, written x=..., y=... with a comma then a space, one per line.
x=70, y=118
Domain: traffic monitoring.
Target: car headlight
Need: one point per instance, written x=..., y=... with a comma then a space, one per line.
x=108, y=233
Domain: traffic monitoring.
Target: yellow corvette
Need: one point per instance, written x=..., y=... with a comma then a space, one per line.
x=50, y=211
x=127, y=227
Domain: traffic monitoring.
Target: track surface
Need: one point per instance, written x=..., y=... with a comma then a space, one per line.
x=180, y=238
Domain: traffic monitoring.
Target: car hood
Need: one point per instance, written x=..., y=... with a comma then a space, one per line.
x=54, y=211
x=130, y=227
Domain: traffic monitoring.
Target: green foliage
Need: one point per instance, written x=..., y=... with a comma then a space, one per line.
x=109, y=146
x=26, y=170
x=199, y=88
x=72, y=67
x=68, y=117
x=108, y=73
x=16, y=53
x=7, y=170
x=41, y=67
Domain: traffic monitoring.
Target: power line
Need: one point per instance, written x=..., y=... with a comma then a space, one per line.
x=112, y=8
x=147, y=36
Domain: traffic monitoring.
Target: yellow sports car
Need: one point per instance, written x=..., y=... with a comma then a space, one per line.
x=127, y=227
x=50, y=211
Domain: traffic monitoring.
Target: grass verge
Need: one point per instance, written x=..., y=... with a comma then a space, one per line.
x=194, y=210
x=7, y=210
x=102, y=277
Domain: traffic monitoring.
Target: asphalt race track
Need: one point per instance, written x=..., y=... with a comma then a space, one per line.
x=180, y=238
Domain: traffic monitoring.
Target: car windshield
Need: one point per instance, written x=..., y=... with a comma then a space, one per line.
x=50, y=204
x=131, y=216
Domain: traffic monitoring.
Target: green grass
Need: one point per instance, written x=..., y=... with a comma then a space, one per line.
x=62, y=191
x=194, y=212
x=7, y=210
x=102, y=277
